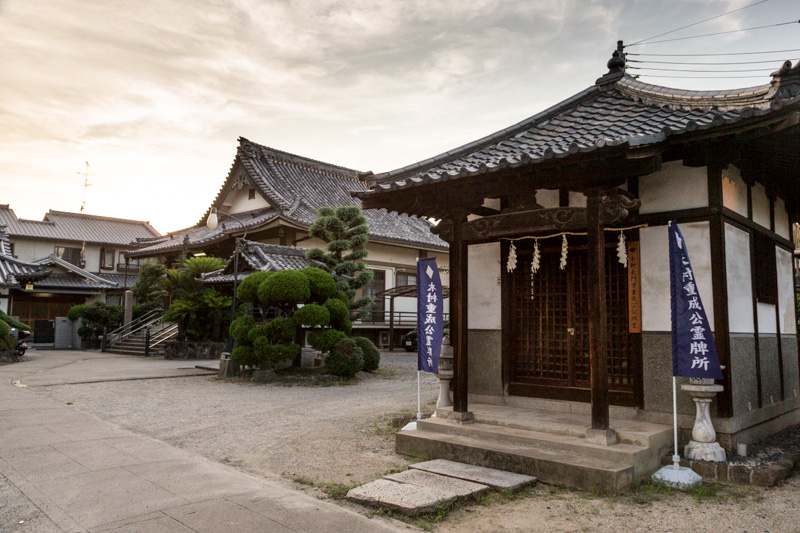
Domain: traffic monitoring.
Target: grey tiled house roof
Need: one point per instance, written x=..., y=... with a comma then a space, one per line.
x=76, y=227
x=14, y=272
x=617, y=111
x=295, y=187
x=259, y=256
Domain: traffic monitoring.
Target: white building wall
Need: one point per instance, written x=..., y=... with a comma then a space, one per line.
x=740, y=288
x=238, y=202
x=484, y=311
x=782, y=226
x=654, y=244
x=673, y=187
x=760, y=205
x=786, y=299
x=547, y=198
x=734, y=190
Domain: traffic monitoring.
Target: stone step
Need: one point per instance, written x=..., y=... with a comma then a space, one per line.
x=643, y=459
x=547, y=463
x=491, y=477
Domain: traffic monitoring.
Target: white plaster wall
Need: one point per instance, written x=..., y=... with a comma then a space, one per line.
x=766, y=319
x=29, y=249
x=654, y=245
x=786, y=301
x=4, y=300
x=238, y=202
x=740, y=287
x=760, y=206
x=673, y=187
x=734, y=190
x=484, y=290
x=577, y=199
x=547, y=198
x=782, y=226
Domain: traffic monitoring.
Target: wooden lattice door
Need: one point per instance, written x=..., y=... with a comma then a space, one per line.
x=548, y=337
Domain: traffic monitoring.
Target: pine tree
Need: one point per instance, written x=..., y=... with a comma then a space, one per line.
x=345, y=230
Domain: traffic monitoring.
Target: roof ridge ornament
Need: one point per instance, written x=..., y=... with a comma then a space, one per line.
x=616, y=67
x=785, y=82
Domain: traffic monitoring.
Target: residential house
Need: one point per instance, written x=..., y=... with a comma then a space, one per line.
x=85, y=255
x=271, y=197
x=574, y=339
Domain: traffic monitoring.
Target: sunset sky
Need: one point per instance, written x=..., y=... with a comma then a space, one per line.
x=154, y=94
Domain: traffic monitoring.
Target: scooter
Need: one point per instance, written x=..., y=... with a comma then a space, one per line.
x=20, y=335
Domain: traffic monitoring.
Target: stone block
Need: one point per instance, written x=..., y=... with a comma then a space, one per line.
x=227, y=368
x=401, y=497
x=450, y=485
x=770, y=475
x=601, y=437
x=264, y=376
x=477, y=474
x=308, y=357
x=706, y=469
x=739, y=474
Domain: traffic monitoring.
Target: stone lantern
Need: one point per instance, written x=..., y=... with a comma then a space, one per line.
x=445, y=373
x=703, y=446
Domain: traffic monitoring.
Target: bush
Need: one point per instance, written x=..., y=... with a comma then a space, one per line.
x=284, y=288
x=340, y=318
x=244, y=356
x=372, y=356
x=248, y=288
x=13, y=323
x=281, y=329
x=85, y=332
x=266, y=351
x=5, y=329
x=240, y=328
x=312, y=315
x=76, y=311
x=326, y=339
x=291, y=352
x=321, y=283
x=256, y=332
x=345, y=359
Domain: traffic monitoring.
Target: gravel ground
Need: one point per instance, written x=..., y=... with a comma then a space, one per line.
x=342, y=435
x=19, y=514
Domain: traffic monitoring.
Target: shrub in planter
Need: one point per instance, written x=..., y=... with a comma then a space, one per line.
x=326, y=339
x=372, y=356
x=345, y=359
x=284, y=288
x=312, y=315
x=244, y=356
x=240, y=328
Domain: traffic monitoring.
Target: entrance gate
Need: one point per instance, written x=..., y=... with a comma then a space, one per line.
x=549, y=335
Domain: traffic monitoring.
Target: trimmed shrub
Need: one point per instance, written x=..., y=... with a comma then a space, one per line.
x=340, y=295
x=282, y=288
x=244, y=356
x=85, y=332
x=291, y=351
x=13, y=323
x=281, y=329
x=240, y=328
x=312, y=315
x=76, y=311
x=248, y=287
x=266, y=351
x=256, y=332
x=345, y=359
x=326, y=339
x=338, y=311
x=321, y=283
x=372, y=356
x=5, y=329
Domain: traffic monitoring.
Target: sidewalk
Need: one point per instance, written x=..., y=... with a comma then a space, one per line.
x=88, y=475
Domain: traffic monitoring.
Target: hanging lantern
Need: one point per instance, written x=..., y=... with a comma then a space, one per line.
x=512, y=258
x=622, y=250
x=563, y=264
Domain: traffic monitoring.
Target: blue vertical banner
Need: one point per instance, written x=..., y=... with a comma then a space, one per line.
x=694, y=352
x=430, y=315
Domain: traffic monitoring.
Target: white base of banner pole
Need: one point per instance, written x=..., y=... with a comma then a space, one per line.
x=676, y=476
x=419, y=397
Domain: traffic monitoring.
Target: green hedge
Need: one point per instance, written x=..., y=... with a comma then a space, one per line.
x=248, y=288
x=321, y=283
x=240, y=328
x=5, y=329
x=283, y=288
x=372, y=356
x=312, y=315
x=326, y=339
x=281, y=329
x=244, y=356
x=13, y=323
x=76, y=311
x=345, y=359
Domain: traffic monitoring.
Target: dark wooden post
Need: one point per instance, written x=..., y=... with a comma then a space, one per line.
x=597, y=311
x=458, y=314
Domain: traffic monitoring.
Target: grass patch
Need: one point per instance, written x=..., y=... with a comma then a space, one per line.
x=302, y=480
x=337, y=491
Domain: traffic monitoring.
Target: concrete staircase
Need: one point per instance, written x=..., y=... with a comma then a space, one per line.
x=134, y=344
x=549, y=445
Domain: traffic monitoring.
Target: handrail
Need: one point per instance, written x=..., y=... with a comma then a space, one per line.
x=399, y=318
x=148, y=319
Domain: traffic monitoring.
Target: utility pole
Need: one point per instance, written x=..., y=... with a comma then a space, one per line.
x=86, y=185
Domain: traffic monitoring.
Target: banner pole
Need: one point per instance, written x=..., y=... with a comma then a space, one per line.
x=676, y=458
x=419, y=397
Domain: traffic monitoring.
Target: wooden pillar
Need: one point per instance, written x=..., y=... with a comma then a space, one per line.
x=458, y=314
x=597, y=312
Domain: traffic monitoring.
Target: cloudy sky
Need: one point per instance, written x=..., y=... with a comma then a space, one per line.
x=154, y=93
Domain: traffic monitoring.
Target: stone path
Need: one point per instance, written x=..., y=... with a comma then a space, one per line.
x=429, y=484
x=88, y=475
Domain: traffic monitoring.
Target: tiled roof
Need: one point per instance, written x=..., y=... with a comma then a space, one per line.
x=13, y=272
x=258, y=256
x=296, y=187
x=119, y=279
x=69, y=282
x=75, y=277
x=60, y=225
x=617, y=110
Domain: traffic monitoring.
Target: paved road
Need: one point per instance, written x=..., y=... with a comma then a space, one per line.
x=63, y=469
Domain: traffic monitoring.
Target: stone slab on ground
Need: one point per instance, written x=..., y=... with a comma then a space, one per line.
x=456, y=487
x=402, y=497
x=497, y=479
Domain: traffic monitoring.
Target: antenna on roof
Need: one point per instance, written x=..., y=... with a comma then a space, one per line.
x=86, y=185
